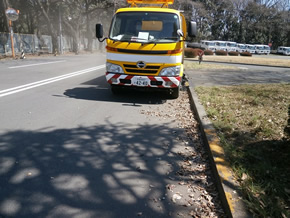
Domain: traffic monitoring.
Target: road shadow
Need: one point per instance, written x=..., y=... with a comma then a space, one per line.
x=99, y=90
x=110, y=170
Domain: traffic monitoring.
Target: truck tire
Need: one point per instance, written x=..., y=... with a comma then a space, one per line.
x=115, y=89
x=175, y=93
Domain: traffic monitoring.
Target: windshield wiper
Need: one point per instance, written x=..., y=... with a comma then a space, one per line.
x=142, y=40
x=149, y=41
x=121, y=40
x=158, y=40
x=176, y=38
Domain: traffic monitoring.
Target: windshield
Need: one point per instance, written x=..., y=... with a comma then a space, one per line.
x=210, y=43
x=242, y=46
x=145, y=27
x=221, y=43
x=231, y=45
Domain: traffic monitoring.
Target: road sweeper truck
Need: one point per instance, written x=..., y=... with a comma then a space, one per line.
x=145, y=46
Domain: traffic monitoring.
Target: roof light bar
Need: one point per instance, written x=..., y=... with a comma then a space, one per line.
x=157, y=2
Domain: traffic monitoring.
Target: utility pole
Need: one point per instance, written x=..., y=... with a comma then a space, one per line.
x=12, y=15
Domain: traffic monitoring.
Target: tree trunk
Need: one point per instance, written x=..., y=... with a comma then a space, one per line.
x=75, y=34
x=89, y=35
x=52, y=31
x=6, y=5
x=88, y=29
x=76, y=40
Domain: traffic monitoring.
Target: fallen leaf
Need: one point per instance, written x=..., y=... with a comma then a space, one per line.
x=170, y=187
x=244, y=177
x=176, y=197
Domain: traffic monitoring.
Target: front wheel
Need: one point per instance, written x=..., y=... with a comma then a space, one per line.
x=175, y=93
x=115, y=89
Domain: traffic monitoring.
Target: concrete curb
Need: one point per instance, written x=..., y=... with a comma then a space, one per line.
x=226, y=184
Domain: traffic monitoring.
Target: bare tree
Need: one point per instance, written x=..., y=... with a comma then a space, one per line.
x=4, y=26
x=248, y=21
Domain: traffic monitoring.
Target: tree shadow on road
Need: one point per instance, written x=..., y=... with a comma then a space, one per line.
x=111, y=170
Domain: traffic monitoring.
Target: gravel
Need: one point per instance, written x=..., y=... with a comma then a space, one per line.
x=190, y=187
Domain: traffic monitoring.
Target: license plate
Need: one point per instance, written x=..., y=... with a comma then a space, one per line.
x=140, y=81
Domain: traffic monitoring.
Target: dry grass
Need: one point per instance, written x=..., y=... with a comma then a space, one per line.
x=253, y=125
x=204, y=66
x=273, y=61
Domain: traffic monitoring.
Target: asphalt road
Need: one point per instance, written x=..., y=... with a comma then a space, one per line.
x=69, y=148
x=243, y=74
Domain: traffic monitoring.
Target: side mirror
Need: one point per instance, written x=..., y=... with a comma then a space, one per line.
x=180, y=33
x=99, y=31
x=192, y=29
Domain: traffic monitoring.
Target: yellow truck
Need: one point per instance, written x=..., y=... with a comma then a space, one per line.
x=145, y=46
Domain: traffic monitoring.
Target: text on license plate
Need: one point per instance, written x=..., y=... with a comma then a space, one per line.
x=139, y=81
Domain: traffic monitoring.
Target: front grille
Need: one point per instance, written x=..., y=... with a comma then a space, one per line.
x=125, y=81
x=156, y=83
x=149, y=69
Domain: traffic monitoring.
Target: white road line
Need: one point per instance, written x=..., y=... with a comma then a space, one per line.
x=30, y=65
x=46, y=81
x=243, y=68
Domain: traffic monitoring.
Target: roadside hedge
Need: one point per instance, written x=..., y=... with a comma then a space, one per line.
x=208, y=52
x=221, y=52
x=233, y=53
x=191, y=52
x=246, y=53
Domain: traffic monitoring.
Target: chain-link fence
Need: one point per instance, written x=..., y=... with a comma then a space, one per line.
x=27, y=43
x=32, y=44
x=67, y=44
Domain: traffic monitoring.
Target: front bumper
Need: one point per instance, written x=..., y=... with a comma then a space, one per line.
x=143, y=81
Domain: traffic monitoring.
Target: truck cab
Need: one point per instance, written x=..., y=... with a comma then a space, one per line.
x=259, y=49
x=220, y=45
x=145, y=46
x=231, y=46
x=280, y=49
x=267, y=49
x=286, y=51
x=250, y=48
x=241, y=48
x=207, y=45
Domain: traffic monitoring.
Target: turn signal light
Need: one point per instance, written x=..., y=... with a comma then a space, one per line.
x=111, y=49
x=175, y=51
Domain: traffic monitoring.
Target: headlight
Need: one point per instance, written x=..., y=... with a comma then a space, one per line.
x=114, y=68
x=170, y=71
